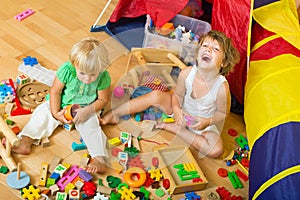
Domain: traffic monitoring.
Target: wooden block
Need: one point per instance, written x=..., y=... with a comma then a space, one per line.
x=103, y=189
x=116, y=166
x=43, y=174
x=174, y=156
x=74, y=195
x=84, y=161
x=56, y=160
x=61, y=196
x=45, y=142
x=54, y=189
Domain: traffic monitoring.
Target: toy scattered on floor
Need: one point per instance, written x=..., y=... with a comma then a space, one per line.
x=32, y=94
x=30, y=61
x=18, y=179
x=19, y=110
x=7, y=93
x=24, y=14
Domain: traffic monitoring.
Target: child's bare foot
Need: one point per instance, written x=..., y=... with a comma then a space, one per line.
x=96, y=165
x=24, y=147
x=109, y=118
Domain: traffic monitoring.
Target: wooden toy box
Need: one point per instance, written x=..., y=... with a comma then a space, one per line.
x=180, y=155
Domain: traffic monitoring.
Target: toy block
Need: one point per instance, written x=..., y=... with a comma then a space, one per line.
x=234, y=179
x=116, y=166
x=60, y=169
x=69, y=177
x=84, y=161
x=31, y=192
x=67, y=165
x=43, y=174
x=8, y=108
x=240, y=174
x=74, y=195
x=79, y=184
x=45, y=142
x=192, y=196
x=54, y=189
x=24, y=14
x=114, y=142
x=69, y=127
x=69, y=187
x=30, y=61
x=242, y=142
x=103, y=189
x=77, y=147
x=55, y=176
x=85, y=175
x=16, y=130
x=61, y=196
x=22, y=79
x=50, y=182
x=53, y=164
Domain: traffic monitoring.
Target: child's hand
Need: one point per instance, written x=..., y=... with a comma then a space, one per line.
x=199, y=123
x=60, y=116
x=81, y=115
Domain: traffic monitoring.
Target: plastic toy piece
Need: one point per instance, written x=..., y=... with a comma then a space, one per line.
x=30, y=61
x=125, y=192
x=43, y=174
x=113, y=181
x=19, y=110
x=242, y=142
x=222, y=172
x=192, y=196
x=31, y=193
x=135, y=177
x=234, y=179
x=3, y=169
x=89, y=188
x=240, y=174
x=24, y=14
x=155, y=174
x=71, y=111
x=232, y=132
x=18, y=179
x=77, y=147
x=70, y=175
x=100, y=197
x=186, y=174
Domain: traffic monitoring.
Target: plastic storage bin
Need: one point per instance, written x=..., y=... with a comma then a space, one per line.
x=186, y=51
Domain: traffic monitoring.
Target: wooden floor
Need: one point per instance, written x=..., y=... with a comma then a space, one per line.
x=48, y=35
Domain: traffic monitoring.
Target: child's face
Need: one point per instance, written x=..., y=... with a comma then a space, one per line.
x=86, y=78
x=210, y=53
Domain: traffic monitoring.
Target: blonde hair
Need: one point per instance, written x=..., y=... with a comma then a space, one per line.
x=89, y=55
x=231, y=54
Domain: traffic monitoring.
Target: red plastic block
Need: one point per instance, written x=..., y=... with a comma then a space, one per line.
x=24, y=14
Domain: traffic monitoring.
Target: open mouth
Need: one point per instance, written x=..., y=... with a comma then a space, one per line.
x=206, y=58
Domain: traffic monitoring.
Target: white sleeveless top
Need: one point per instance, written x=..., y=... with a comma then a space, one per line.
x=205, y=106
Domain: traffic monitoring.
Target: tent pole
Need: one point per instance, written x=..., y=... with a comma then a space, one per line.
x=100, y=16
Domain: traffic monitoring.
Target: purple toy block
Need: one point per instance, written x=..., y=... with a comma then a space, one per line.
x=85, y=175
x=24, y=14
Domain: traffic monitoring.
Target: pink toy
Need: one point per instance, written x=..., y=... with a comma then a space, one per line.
x=119, y=91
x=24, y=14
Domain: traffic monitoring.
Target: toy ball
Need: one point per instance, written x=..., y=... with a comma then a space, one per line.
x=118, y=91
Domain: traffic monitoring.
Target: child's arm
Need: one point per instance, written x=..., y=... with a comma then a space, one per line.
x=83, y=113
x=223, y=109
x=177, y=97
x=55, y=101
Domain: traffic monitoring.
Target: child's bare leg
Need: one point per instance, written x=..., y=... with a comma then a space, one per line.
x=24, y=147
x=97, y=165
x=141, y=103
